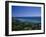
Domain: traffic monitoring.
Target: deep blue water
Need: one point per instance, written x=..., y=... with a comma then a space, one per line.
x=28, y=19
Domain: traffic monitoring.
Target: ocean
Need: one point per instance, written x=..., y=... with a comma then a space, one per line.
x=28, y=19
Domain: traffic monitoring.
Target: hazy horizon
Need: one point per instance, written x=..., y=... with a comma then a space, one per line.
x=28, y=16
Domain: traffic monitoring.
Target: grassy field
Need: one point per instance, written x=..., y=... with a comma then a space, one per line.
x=18, y=25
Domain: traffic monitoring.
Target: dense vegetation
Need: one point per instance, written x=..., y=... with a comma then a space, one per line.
x=18, y=25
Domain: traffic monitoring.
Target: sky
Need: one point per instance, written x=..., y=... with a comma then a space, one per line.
x=26, y=11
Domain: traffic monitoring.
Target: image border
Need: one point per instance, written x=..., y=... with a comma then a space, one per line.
x=7, y=17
